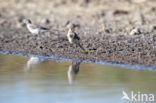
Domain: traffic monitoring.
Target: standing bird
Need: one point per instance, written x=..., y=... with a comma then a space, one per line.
x=34, y=29
x=73, y=38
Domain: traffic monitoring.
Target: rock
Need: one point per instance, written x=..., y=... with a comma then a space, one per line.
x=154, y=28
x=153, y=9
x=135, y=31
x=84, y=3
x=153, y=31
x=2, y=21
x=105, y=29
x=46, y=21
x=120, y=12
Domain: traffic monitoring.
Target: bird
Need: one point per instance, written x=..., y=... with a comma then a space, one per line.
x=73, y=37
x=34, y=29
x=73, y=71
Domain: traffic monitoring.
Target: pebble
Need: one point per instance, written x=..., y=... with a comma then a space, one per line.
x=154, y=28
x=135, y=31
x=104, y=29
x=2, y=21
x=153, y=31
x=120, y=12
x=46, y=21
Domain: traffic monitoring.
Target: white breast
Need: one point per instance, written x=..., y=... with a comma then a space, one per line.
x=33, y=31
x=69, y=36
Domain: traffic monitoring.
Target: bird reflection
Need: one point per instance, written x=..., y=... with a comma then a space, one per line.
x=73, y=71
x=34, y=61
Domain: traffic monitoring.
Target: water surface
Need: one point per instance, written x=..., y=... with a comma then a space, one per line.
x=38, y=80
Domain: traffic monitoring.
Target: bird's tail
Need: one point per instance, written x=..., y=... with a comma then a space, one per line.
x=78, y=44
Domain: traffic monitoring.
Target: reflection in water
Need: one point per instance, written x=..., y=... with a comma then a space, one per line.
x=97, y=83
x=73, y=71
x=34, y=61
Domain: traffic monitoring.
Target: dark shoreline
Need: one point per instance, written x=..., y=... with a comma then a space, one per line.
x=102, y=62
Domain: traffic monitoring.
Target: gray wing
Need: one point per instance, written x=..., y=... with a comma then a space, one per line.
x=43, y=28
x=33, y=26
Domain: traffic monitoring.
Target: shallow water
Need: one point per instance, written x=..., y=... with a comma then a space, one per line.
x=38, y=80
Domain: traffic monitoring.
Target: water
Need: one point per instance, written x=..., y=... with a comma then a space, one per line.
x=38, y=80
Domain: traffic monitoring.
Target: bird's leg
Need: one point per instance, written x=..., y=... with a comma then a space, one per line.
x=78, y=44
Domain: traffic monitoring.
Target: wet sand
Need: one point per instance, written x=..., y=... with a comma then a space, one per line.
x=105, y=29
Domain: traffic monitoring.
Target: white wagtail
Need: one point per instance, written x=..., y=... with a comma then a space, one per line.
x=72, y=36
x=34, y=29
x=73, y=71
